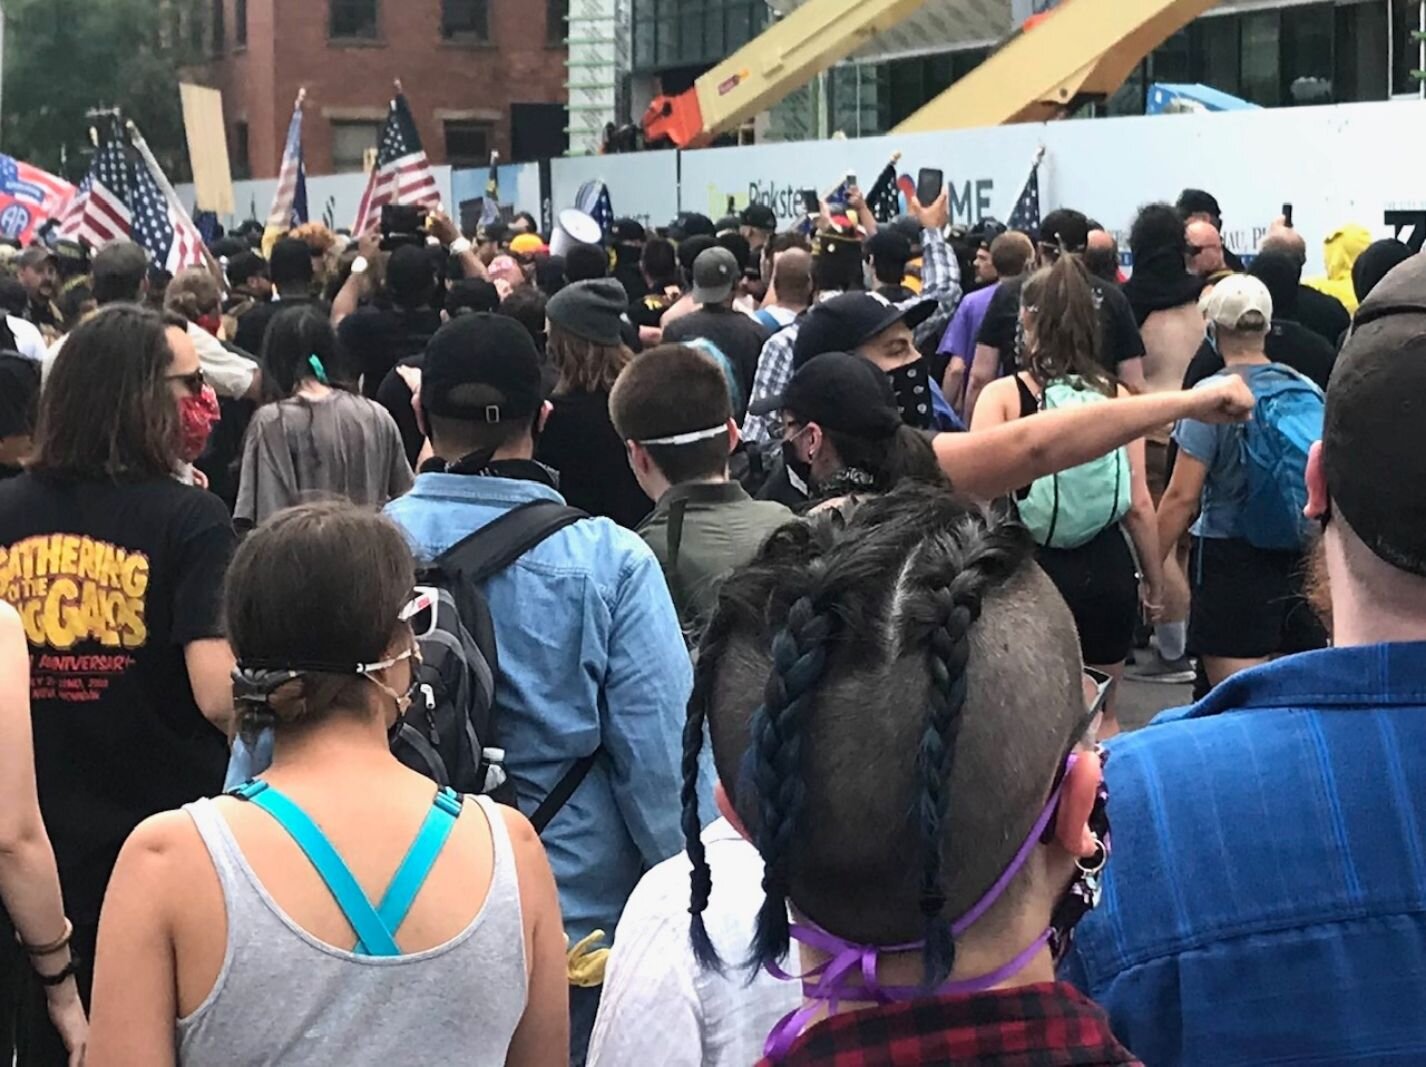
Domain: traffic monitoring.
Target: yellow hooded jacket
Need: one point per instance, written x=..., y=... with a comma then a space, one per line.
x=1339, y=253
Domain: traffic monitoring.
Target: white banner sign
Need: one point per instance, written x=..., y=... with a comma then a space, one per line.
x=1336, y=164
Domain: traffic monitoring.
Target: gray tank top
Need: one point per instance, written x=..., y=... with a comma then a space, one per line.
x=283, y=997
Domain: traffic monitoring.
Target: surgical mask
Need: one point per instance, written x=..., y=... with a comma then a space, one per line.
x=196, y=417
x=850, y=973
x=793, y=462
x=912, y=386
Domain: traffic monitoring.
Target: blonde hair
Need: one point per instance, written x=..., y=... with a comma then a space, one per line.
x=193, y=293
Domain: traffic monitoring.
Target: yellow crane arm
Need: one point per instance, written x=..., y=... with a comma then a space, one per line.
x=1083, y=48
x=784, y=57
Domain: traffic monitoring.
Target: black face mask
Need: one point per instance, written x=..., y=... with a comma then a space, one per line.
x=913, y=394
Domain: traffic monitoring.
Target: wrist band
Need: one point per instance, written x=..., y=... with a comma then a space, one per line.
x=53, y=946
x=69, y=970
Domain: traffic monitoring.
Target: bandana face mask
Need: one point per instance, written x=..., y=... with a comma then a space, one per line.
x=850, y=972
x=913, y=394
x=197, y=415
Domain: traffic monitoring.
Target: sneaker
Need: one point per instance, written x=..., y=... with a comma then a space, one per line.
x=1152, y=667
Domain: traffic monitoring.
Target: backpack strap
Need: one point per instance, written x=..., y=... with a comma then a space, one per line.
x=411, y=875
x=496, y=545
x=563, y=790
x=373, y=936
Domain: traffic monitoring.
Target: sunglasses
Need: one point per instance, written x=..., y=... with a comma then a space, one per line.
x=1096, y=685
x=194, y=382
x=420, y=614
x=420, y=611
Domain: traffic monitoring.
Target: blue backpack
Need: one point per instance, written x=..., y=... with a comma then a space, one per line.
x=1287, y=419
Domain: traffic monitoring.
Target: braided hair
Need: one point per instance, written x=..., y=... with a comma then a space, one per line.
x=830, y=625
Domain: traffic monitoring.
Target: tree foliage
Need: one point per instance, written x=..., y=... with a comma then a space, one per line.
x=63, y=57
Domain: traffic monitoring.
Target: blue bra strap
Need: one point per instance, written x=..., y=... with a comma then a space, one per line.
x=373, y=936
x=411, y=875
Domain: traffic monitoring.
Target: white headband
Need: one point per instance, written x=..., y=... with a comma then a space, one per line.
x=687, y=438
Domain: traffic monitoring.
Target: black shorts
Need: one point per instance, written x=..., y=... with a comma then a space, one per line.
x=1101, y=586
x=1247, y=602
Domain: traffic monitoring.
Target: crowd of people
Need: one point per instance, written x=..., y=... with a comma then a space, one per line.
x=703, y=647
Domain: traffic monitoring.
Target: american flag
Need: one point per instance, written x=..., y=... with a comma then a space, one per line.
x=99, y=212
x=593, y=199
x=885, y=198
x=836, y=202
x=162, y=224
x=402, y=174
x=1025, y=216
x=289, y=202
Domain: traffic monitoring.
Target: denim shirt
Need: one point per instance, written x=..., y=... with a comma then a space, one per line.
x=1266, y=898
x=591, y=657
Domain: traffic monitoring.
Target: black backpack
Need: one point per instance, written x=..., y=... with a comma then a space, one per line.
x=450, y=733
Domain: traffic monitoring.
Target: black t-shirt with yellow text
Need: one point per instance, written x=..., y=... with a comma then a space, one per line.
x=111, y=582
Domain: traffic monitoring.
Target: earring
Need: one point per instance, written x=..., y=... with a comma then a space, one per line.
x=1095, y=863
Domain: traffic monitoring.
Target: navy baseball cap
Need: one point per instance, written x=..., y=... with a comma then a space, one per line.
x=850, y=320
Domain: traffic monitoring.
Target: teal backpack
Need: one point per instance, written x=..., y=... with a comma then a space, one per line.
x=1072, y=508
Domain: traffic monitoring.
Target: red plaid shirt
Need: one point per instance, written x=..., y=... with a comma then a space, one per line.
x=1047, y=1025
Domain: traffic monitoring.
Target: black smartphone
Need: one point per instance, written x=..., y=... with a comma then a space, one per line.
x=929, y=183
x=811, y=202
x=851, y=179
x=732, y=206
x=1287, y=214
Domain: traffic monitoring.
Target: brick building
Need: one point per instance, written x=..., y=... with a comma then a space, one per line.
x=478, y=74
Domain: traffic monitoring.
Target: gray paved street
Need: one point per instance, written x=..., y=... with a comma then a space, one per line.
x=1141, y=701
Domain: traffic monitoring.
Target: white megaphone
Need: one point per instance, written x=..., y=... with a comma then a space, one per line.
x=574, y=227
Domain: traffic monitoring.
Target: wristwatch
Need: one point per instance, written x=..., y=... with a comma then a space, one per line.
x=460, y=246
x=360, y=265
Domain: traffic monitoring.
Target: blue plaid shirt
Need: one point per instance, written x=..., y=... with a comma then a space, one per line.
x=940, y=281
x=1266, y=900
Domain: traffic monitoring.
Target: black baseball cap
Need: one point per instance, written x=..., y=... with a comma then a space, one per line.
x=691, y=224
x=888, y=246
x=852, y=319
x=759, y=217
x=629, y=231
x=1371, y=437
x=482, y=368
x=1066, y=229
x=838, y=391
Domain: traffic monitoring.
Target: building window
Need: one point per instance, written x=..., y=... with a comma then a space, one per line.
x=351, y=141
x=464, y=20
x=242, y=161
x=353, y=19
x=468, y=143
x=556, y=21
x=674, y=33
x=1361, y=53
x=196, y=36
x=240, y=22
x=220, y=29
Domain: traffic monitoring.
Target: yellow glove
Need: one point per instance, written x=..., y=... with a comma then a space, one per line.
x=586, y=963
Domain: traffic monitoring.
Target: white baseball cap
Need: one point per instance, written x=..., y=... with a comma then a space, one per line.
x=1238, y=302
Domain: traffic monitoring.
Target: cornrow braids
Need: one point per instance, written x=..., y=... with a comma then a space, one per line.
x=980, y=558
x=798, y=541
x=799, y=656
x=710, y=651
